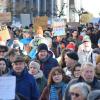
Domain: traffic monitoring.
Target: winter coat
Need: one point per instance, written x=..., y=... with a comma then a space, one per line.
x=87, y=57
x=94, y=85
x=26, y=85
x=48, y=64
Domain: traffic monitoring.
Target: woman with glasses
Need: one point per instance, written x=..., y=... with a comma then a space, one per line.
x=79, y=91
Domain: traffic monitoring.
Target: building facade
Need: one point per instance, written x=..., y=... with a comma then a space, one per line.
x=50, y=8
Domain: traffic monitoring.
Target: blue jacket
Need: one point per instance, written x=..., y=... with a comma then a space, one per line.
x=47, y=64
x=26, y=85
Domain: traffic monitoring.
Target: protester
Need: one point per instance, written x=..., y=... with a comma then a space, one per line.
x=3, y=67
x=85, y=52
x=87, y=76
x=79, y=91
x=3, y=49
x=75, y=38
x=34, y=69
x=97, y=50
x=46, y=60
x=56, y=85
x=25, y=83
x=71, y=60
x=97, y=69
x=61, y=60
x=77, y=70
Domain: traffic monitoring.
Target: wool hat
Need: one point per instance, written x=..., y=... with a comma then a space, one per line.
x=42, y=46
x=35, y=64
x=86, y=39
x=73, y=55
x=71, y=46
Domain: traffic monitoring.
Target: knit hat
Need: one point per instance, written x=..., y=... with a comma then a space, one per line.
x=73, y=55
x=42, y=46
x=86, y=39
x=35, y=64
x=98, y=59
x=71, y=46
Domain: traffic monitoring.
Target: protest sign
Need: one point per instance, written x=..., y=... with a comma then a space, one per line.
x=58, y=26
x=7, y=87
x=5, y=17
x=41, y=21
x=4, y=33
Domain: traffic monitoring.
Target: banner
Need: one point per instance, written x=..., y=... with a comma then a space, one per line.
x=4, y=33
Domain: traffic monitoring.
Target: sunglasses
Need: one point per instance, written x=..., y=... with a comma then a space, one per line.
x=74, y=94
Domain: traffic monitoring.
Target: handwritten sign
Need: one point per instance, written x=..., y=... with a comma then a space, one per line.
x=4, y=33
x=5, y=17
x=40, y=21
x=7, y=87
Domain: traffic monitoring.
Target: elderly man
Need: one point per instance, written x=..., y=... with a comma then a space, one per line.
x=71, y=60
x=25, y=83
x=85, y=52
x=87, y=76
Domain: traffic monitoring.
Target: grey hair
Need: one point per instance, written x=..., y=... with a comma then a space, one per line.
x=84, y=65
x=83, y=87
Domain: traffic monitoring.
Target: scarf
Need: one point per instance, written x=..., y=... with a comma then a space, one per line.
x=53, y=90
x=39, y=74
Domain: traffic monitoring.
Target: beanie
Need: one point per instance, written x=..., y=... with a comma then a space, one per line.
x=73, y=55
x=42, y=46
x=35, y=64
x=71, y=46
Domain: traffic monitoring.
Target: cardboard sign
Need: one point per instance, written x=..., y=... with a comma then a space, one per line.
x=85, y=18
x=7, y=87
x=5, y=17
x=41, y=21
x=4, y=33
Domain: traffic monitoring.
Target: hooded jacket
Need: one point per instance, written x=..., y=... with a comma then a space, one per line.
x=47, y=64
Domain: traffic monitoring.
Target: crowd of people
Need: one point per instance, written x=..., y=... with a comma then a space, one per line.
x=50, y=67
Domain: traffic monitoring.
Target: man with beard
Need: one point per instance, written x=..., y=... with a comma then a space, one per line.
x=45, y=58
x=85, y=52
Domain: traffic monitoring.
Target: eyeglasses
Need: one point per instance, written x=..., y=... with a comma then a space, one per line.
x=74, y=94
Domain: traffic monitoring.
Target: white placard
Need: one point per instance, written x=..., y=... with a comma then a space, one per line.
x=7, y=87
